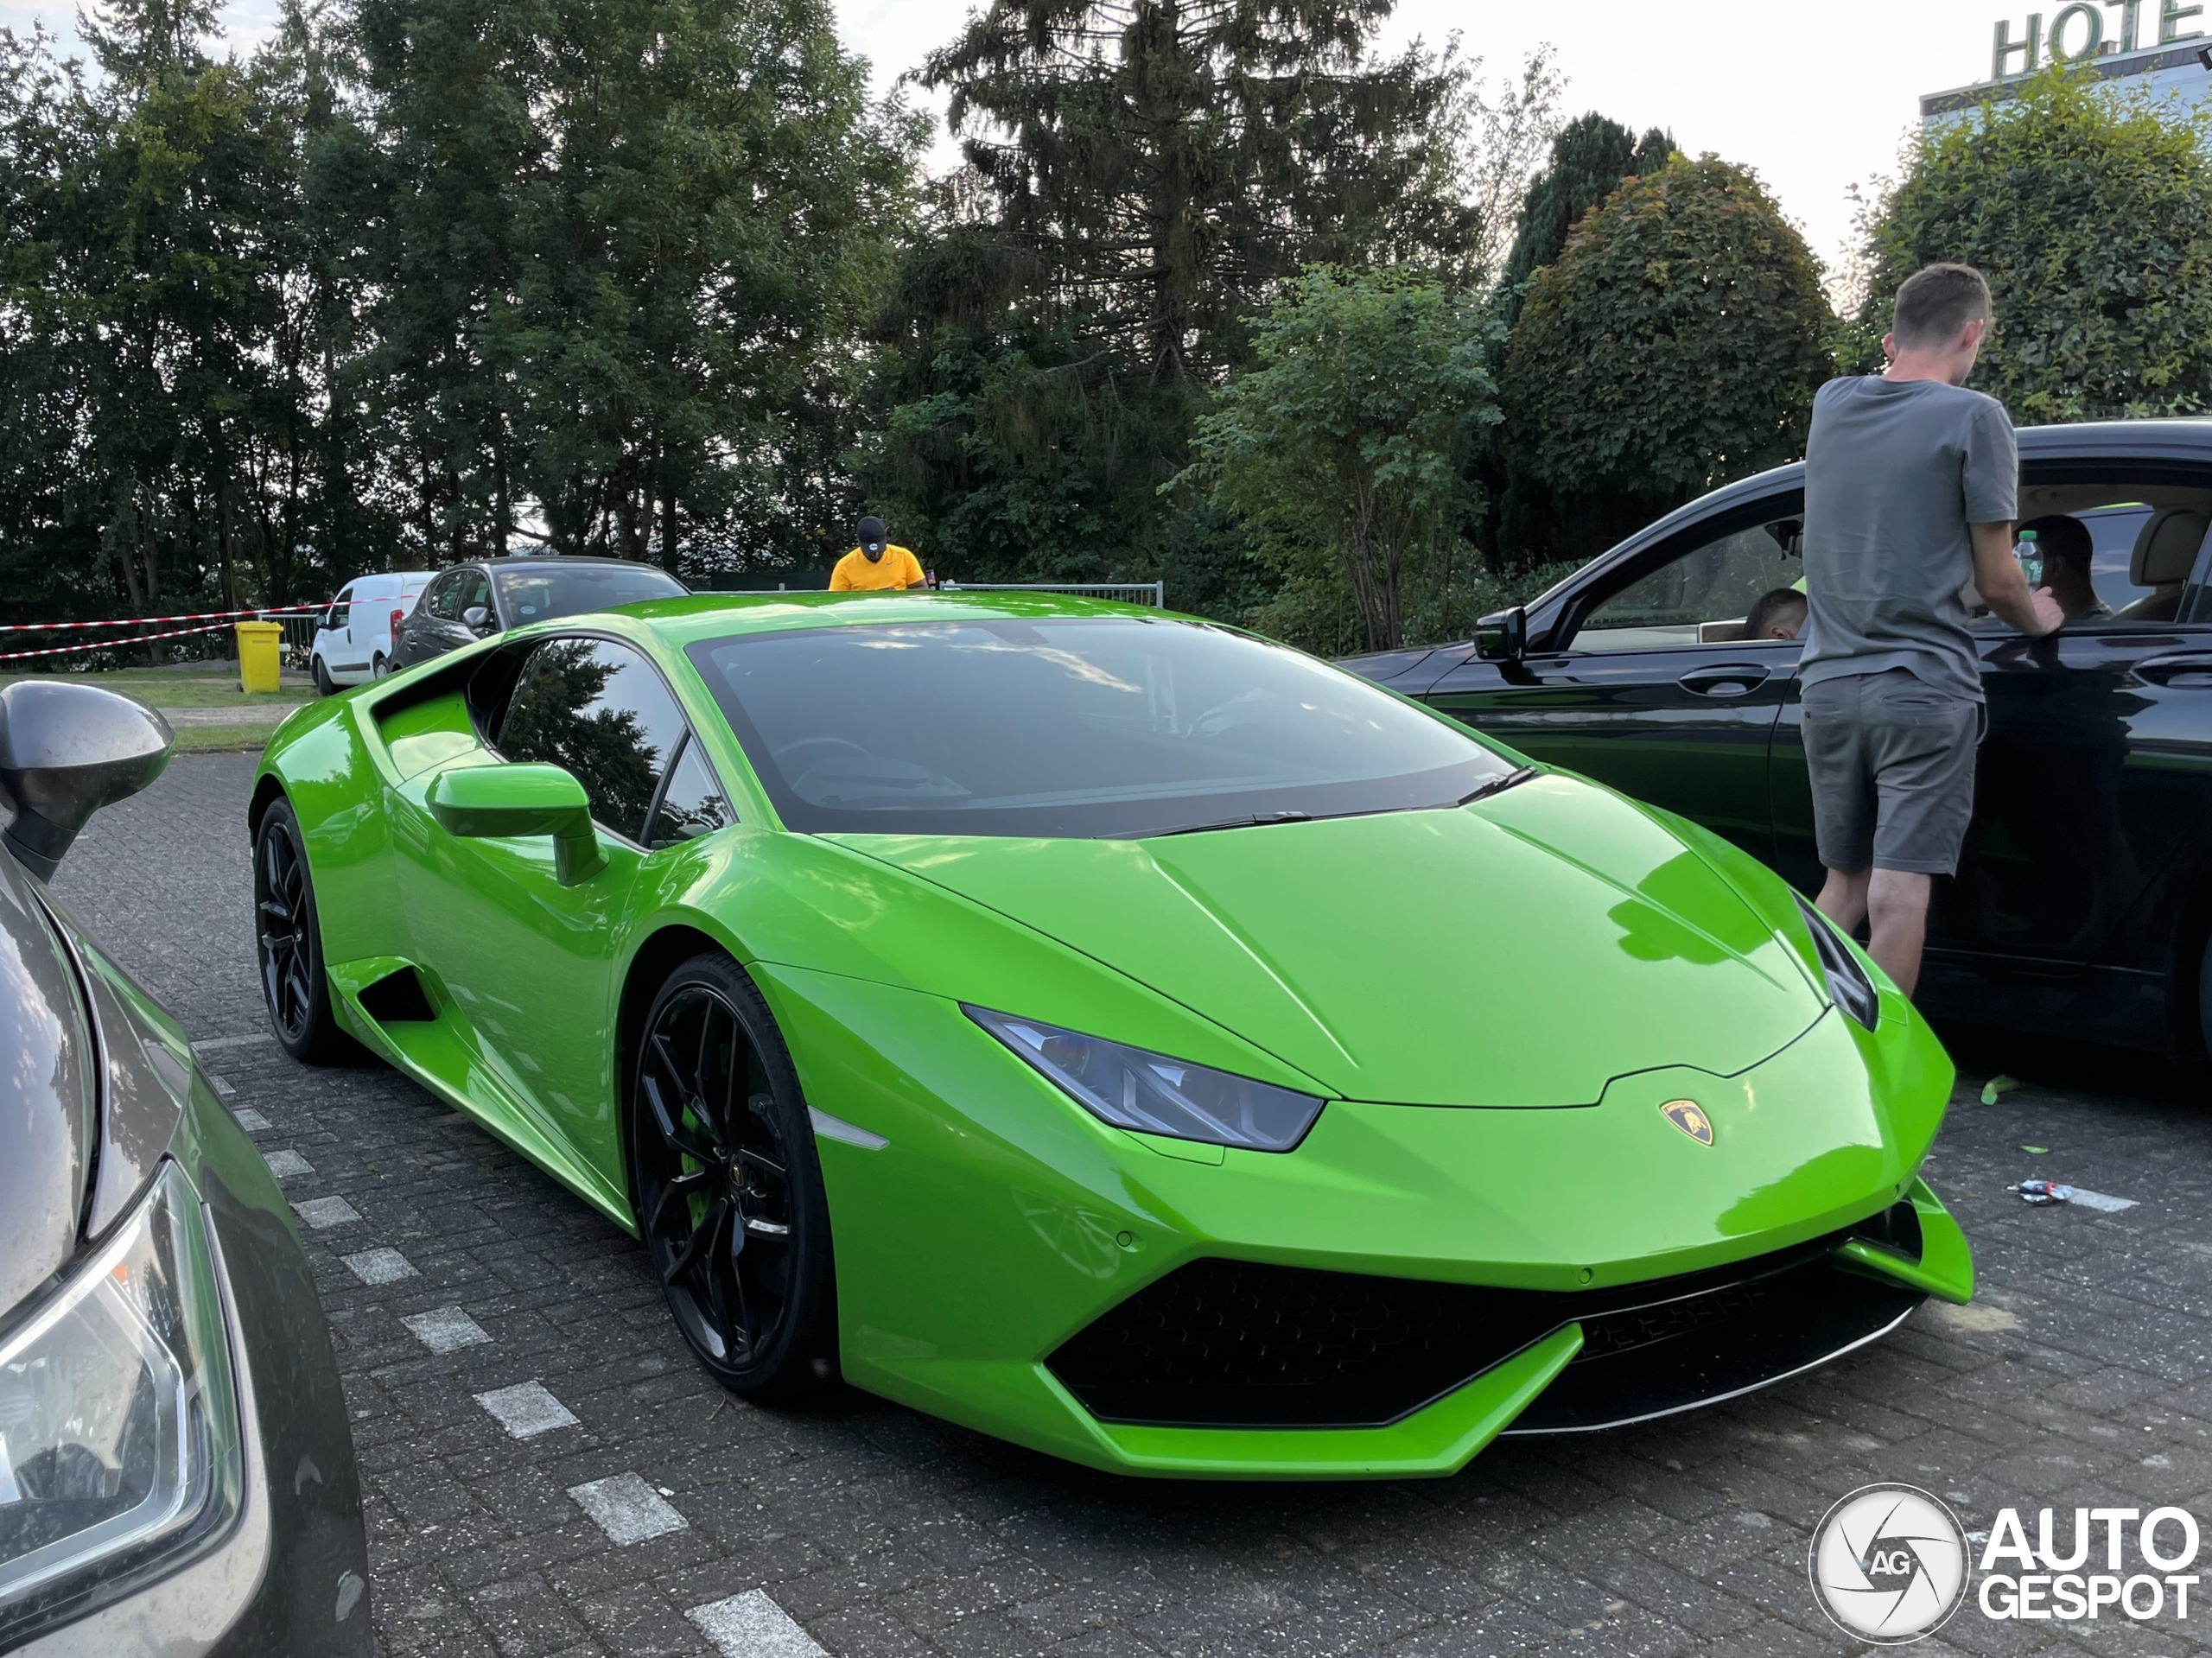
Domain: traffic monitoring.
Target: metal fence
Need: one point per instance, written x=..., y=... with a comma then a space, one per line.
x=1128, y=592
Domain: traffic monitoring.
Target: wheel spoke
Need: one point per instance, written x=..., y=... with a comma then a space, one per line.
x=671, y=1128
x=701, y=1239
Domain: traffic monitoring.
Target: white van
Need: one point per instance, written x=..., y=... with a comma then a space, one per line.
x=353, y=636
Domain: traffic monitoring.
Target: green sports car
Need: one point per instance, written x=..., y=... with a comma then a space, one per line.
x=1111, y=1030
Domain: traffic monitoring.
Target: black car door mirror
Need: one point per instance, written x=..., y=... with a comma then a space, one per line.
x=65, y=750
x=1503, y=637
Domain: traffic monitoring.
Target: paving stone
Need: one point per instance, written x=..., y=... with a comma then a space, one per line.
x=628, y=1510
x=526, y=1409
x=323, y=1213
x=446, y=1329
x=288, y=1165
x=382, y=1265
x=751, y=1625
x=251, y=1119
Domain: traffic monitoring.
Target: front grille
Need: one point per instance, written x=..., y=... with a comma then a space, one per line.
x=1229, y=1344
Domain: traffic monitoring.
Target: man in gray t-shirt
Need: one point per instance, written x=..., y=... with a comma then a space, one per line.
x=1911, y=490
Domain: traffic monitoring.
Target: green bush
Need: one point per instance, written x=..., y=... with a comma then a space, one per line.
x=1676, y=344
x=2090, y=213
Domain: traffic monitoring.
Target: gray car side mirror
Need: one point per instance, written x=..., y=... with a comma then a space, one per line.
x=477, y=618
x=66, y=750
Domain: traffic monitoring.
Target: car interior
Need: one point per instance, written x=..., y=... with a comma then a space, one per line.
x=2146, y=537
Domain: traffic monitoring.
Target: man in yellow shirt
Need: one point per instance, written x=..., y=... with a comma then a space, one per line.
x=876, y=566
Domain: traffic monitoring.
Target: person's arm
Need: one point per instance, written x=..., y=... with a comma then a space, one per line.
x=912, y=576
x=2004, y=586
x=839, y=582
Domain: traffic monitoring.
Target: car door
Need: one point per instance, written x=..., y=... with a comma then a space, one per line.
x=436, y=625
x=2095, y=763
x=529, y=962
x=337, y=640
x=1648, y=683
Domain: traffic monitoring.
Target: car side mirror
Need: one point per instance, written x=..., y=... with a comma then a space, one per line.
x=66, y=750
x=478, y=619
x=493, y=801
x=1503, y=637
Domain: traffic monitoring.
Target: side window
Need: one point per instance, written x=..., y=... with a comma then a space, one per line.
x=1708, y=594
x=341, y=609
x=693, y=805
x=473, y=589
x=597, y=709
x=438, y=601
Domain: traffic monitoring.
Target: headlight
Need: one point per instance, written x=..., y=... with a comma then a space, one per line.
x=119, y=1448
x=1848, y=986
x=1155, y=1095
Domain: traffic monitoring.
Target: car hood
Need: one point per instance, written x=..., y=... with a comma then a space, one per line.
x=1521, y=951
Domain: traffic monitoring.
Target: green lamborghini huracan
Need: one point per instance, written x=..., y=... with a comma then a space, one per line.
x=1111, y=1031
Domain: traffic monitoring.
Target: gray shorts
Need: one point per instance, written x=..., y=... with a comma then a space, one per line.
x=1891, y=763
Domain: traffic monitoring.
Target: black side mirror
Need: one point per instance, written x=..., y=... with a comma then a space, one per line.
x=65, y=750
x=1503, y=637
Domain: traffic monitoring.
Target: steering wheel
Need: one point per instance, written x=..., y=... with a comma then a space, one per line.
x=813, y=749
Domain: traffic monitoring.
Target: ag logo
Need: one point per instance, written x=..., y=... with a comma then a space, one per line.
x=1688, y=1116
x=1889, y=1564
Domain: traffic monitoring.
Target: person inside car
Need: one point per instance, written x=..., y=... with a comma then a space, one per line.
x=1778, y=614
x=2068, y=554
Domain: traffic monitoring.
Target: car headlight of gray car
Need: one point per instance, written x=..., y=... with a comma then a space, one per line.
x=120, y=1454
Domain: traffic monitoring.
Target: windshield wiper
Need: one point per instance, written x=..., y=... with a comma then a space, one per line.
x=1254, y=821
x=1496, y=786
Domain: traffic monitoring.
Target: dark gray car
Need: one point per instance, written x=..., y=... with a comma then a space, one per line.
x=470, y=602
x=176, y=1474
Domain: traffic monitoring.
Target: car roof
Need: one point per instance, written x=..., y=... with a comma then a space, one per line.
x=720, y=615
x=561, y=561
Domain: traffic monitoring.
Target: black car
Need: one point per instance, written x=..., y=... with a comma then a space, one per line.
x=2083, y=901
x=176, y=1473
x=470, y=602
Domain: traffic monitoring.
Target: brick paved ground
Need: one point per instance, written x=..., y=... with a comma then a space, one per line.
x=2079, y=1376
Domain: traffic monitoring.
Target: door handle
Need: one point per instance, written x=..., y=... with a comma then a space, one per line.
x=1725, y=679
x=2186, y=672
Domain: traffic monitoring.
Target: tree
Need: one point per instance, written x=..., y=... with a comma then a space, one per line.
x=1347, y=442
x=2091, y=215
x=621, y=254
x=1675, y=344
x=1140, y=176
x=1589, y=158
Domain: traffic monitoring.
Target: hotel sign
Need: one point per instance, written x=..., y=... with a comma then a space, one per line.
x=2086, y=31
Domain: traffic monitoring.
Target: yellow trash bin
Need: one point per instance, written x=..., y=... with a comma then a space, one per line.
x=258, y=645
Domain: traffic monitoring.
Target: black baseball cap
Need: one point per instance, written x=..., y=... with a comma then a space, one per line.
x=873, y=538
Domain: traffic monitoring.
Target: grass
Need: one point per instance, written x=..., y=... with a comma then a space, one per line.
x=216, y=689
x=222, y=740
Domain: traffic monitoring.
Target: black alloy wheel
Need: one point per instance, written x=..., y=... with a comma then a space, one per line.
x=288, y=942
x=729, y=1193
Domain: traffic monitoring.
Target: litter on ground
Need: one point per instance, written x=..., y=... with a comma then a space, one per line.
x=2051, y=1192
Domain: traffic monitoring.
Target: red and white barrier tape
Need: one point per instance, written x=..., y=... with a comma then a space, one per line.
x=110, y=645
x=151, y=621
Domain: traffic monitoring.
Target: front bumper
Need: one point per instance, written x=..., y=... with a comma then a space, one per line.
x=1000, y=1225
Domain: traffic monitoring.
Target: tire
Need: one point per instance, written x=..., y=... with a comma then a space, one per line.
x=732, y=1213
x=324, y=685
x=288, y=943
x=379, y=667
x=2205, y=998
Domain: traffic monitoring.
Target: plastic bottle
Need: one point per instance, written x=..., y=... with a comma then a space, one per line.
x=2030, y=557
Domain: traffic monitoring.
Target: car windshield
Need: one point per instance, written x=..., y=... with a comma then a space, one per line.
x=1072, y=728
x=541, y=592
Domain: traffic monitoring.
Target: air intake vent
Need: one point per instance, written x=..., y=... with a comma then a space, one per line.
x=398, y=998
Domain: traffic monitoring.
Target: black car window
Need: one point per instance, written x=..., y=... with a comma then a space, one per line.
x=438, y=603
x=694, y=804
x=473, y=589
x=539, y=593
x=599, y=710
x=1705, y=594
x=342, y=608
x=1072, y=727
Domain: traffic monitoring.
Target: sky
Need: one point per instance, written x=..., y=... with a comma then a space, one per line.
x=1815, y=98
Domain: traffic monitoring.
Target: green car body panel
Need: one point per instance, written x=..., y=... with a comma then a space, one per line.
x=1496, y=1001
